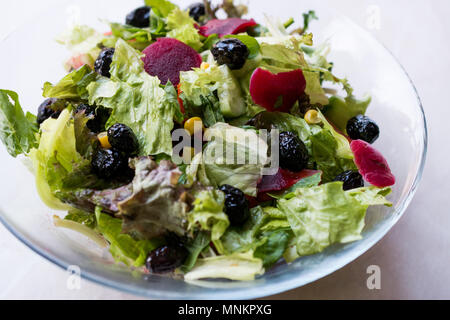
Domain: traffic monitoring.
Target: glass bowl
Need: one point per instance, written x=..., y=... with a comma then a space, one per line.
x=29, y=56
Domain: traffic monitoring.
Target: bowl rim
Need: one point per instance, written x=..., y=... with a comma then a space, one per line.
x=267, y=289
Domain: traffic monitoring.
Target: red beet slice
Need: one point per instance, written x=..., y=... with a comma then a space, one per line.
x=277, y=92
x=223, y=27
x=282, y=180
x=372, y=165
x=167, y=57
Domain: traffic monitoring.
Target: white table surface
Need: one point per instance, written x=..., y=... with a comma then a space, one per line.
x=414, y=257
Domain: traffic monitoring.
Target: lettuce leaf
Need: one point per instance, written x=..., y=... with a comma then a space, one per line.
x=137, y=100
x=72, y=86
x=82, y=217
x=208, y=213
x=182, y=28
x=266, y=233
x=195, y=247
x=82, y=39
x=326, y=214
x=339, y=110
x=239, y=266
x=245, y=155
x=123, y=247
x=56, y=158
x=17, y=131
x=204, y=82
x=163, y=7
x=139, y=38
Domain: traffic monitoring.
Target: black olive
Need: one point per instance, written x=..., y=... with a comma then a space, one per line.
x=232, y=52
x=236, y=205
x=139, y=17
x=197, y=11
x=103, y=63
x=363, y=128
x=293, y=153
x=109, y=163
x=47, y=110
x=166, y=259
x=100, y=116
x=351, y=179
x=122, y=138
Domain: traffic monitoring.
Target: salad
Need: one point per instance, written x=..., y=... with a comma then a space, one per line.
x=202, y=147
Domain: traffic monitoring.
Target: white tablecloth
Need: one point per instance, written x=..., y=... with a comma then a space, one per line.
x=414, y=257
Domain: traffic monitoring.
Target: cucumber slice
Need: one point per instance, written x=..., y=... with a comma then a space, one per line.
x=232, y=103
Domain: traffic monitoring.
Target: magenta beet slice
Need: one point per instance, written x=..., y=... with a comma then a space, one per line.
x=372, y=165
x=167, y=57
x=223, y=27
x=277, y=92
x=282, y=180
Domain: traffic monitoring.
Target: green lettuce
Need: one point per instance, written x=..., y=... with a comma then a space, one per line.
x=266, y=233
x=208, y=213
x=239, y=266
x=17, y=131
x=162, y=7
x=200, y=83
x=326, y=214
x=82, y=217
x=139, y=38
x=339, y=110
x=182, y=28
x=122, y=246
x=72, y=86
x=234, y=156
x=195, y=247
x=137, y=100
x=82, y=39
x=56, y=158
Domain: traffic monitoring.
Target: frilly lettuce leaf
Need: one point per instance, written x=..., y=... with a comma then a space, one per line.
x=266, y=233
x=17, y=131
x=56, y=158
x=137, y=100
x=72, y=86
x=163, y=7
x=326, y=214
x=248, y=156
x=195, y=247
x=82, y=39
x=200, y=83
x=181, y=27
x=122, y=246
x=208, y=213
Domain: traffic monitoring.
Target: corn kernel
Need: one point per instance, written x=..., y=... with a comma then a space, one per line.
x=194, y=125
x=312, y=117
x=104, y=142
x=204, y=65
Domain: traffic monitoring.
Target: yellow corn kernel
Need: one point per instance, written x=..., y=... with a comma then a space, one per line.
x=194, y=125
x=312, y=117
x=204, y=65
x=104, y=142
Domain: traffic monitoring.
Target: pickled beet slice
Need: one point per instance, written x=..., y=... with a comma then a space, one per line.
x=282, y=180
x=223, y=27
x=277, y=92
x=167, y=57
x=372, y=165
